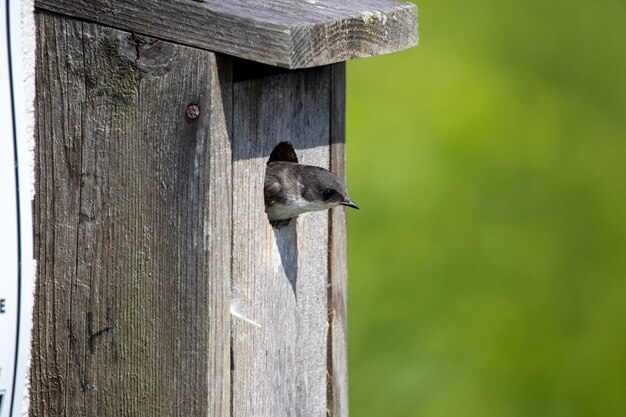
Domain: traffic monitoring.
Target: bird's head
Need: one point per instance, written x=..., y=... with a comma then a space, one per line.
x=325, y=189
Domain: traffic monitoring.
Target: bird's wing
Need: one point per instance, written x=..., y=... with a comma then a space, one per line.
x=273, y=189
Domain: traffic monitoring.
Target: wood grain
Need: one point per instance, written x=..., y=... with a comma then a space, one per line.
x=133, y=226
x=280, y=277
x=150, y=227
x=338, y=255
x=287, y=33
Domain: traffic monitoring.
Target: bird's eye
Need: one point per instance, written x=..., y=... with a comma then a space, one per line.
x=327, y=194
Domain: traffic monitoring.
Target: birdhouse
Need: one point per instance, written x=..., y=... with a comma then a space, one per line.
x=162, y=288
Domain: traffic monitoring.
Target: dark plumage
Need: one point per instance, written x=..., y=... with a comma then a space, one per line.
x=292, y=189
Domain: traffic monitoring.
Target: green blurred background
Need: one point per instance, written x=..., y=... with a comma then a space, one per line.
x=488, y=260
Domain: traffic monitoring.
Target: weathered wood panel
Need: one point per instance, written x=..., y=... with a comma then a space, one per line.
x=280, y=277
x=287, y=33
x=338, y=253
x=133, y=224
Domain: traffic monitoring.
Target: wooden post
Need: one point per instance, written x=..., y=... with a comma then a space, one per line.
x=154, y=125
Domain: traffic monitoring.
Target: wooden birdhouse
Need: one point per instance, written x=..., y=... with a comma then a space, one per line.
x=162, y=289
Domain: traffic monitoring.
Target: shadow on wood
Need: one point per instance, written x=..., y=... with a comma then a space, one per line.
x=287, y=245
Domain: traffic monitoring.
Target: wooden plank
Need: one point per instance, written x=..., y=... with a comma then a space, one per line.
x=287, y=33
x=280, y=277
x=133, y=226
x=338, y=262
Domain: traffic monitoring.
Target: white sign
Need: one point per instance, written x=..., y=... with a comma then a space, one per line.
x=16, y=183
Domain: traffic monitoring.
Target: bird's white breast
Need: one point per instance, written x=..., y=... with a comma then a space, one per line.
x=295, y=207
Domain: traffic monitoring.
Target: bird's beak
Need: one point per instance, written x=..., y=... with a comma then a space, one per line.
x=349, y=203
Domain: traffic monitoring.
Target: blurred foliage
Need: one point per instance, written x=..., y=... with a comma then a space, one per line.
x=488, y=260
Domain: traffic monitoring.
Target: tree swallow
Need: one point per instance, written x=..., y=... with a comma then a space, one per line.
x=292, y=189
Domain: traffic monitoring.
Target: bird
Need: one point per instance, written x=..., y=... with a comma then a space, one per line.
x=291, y=189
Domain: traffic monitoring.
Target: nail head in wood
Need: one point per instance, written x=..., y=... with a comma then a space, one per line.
x=193, y=111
